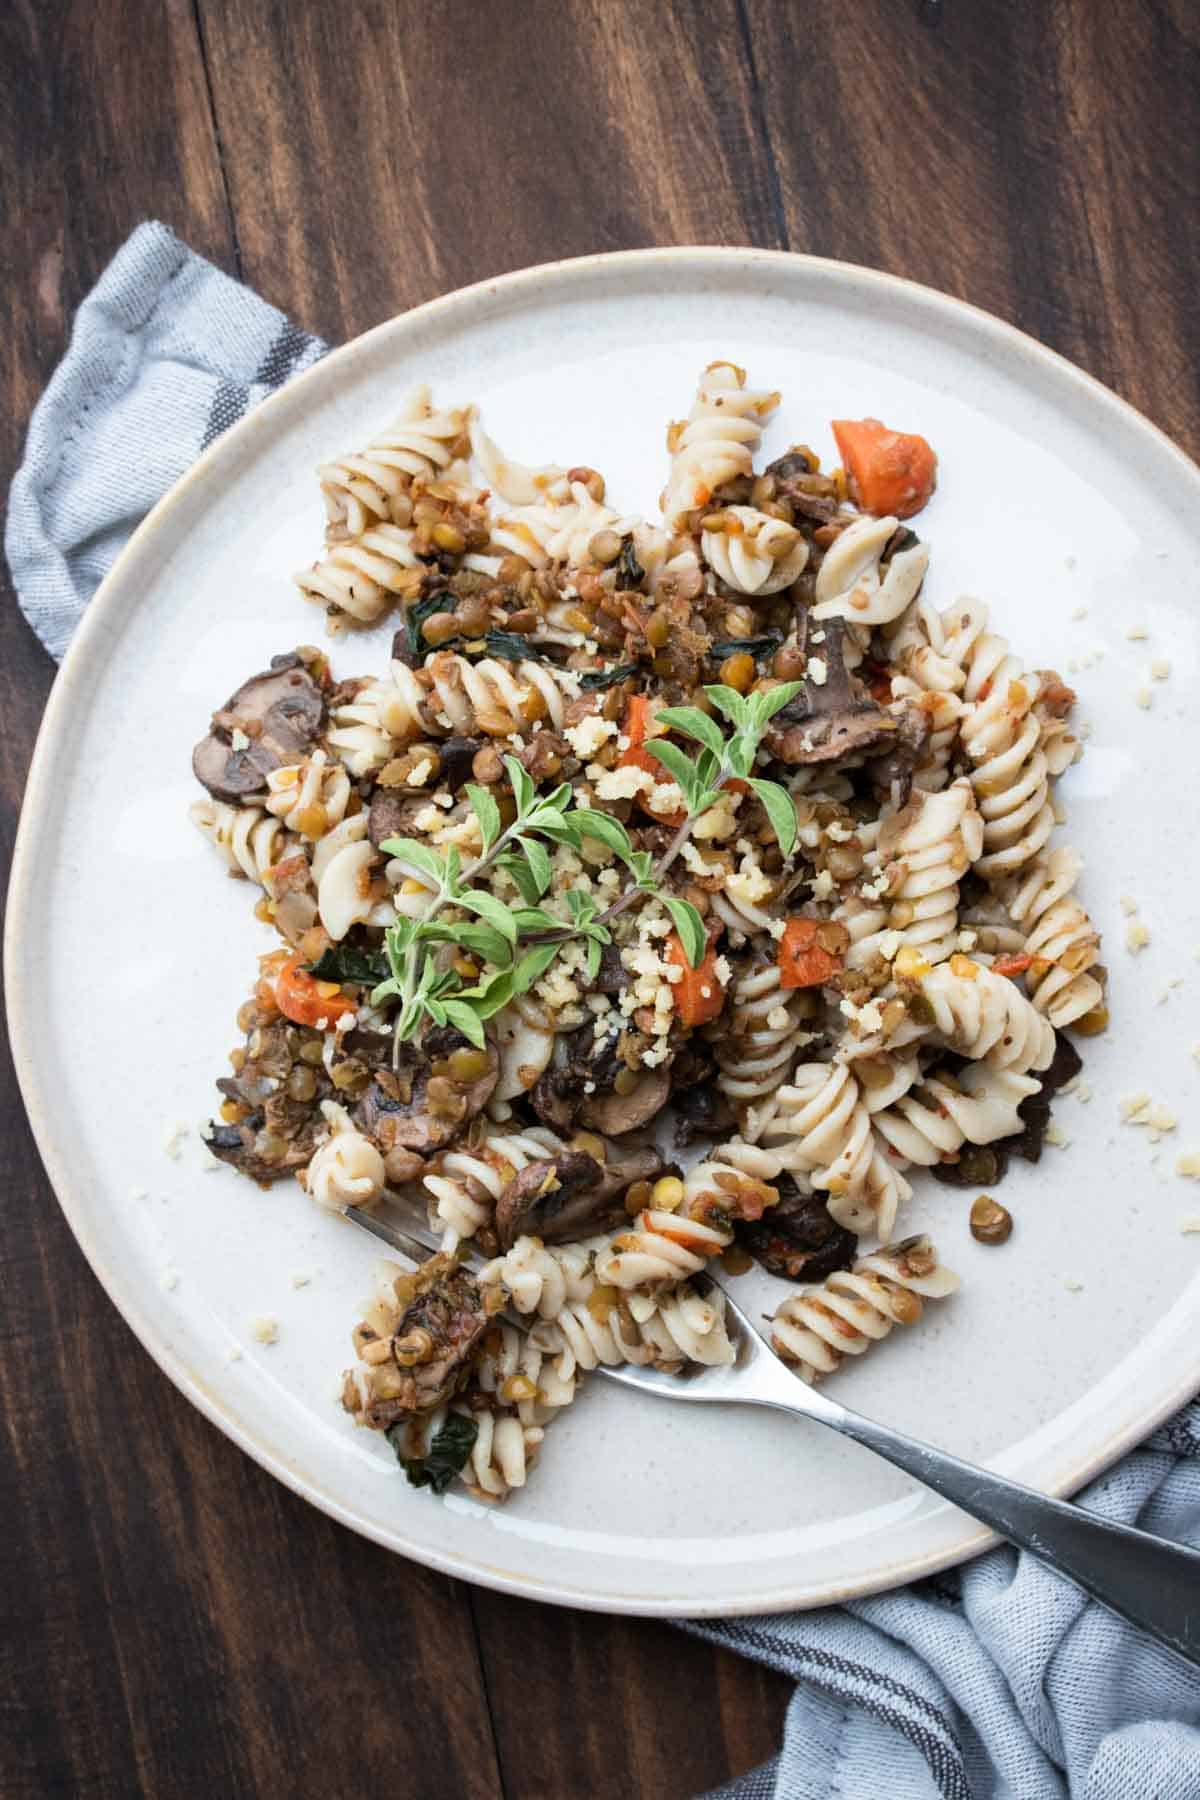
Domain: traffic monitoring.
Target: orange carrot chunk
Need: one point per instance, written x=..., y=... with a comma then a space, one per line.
x=305, y=1000
x=699, y=996
x=887, y=471
x=802, y=961
x=1012, y=965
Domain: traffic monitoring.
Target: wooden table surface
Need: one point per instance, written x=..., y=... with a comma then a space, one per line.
x=174, y=1621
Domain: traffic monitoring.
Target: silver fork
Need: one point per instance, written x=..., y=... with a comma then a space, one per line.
x=1153, y=1583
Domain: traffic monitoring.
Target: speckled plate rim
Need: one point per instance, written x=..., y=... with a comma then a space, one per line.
x=104, y=619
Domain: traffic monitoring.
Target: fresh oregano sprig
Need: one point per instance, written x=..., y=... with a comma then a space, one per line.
x=517, y=945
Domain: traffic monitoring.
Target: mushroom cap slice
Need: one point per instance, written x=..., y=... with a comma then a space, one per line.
x=279, y=713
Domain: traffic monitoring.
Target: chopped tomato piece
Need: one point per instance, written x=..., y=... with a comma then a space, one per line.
x=887, y=471
x=637, y=720
x=699, y=996
x=1012, y=965
x=803, y=962
x=305, y=1000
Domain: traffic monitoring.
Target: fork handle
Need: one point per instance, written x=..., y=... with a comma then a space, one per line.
x=1153, y=1583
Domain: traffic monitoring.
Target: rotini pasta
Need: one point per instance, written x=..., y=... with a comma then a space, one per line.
x=752, y=552
x=1061, y=939
x=717, y=441
x=822, y=1129
x=372, y=486
x=857, y=1307
x=250, y=839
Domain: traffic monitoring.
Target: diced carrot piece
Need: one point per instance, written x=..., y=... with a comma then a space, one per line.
x=888, y=471
x=637, y=720
x=1012, y=965
x=299, y=996
x=802, y=961
x=699, y=996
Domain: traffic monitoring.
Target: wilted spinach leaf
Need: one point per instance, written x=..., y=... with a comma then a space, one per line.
x=342, y=962
x=447, y=1454
x=596, y=679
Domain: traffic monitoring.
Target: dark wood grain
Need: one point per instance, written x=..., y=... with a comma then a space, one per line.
x=171, y=1621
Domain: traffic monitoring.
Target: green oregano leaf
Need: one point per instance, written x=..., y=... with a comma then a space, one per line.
x=690, y=927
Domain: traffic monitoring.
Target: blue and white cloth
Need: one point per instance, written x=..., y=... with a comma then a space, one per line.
x=998, y=1681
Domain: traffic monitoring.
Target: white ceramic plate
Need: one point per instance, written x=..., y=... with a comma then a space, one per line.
x=129, y=953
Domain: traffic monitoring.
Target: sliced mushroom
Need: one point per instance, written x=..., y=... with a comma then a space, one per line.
x=797, y=1239
x=626, y=1163
x=831, y=719
x=393, y=814
x=557, y=1200
x=615, y=1113
x=398, y=1111
x=892, y=773
x=447, y=1308
x=272, y=720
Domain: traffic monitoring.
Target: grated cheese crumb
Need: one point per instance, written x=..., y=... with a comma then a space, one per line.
x=586, y=737
x=1053, y=1135
x=300, y=1279
x=822, y=885
x=168, y=1281
x=418, y=776
x=1128, y=904
x=233, y=1354
x=723, y=970
x=1083, y=1092
x=144, y=1193
x=1072, y=1286
x=1189, y=1222
x=889, y=945
x=1136, y=936
x=1188, y=1163
x=779, y=1018
x=173, y=1140
x=818, y=668
x=1144, y=698
x=265, y=1330
x=1136, y=632
x=1080, y=612
x=1160, y=668
x=1132, y=1105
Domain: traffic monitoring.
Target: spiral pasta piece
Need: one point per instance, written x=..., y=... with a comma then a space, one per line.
x=852, y=586
x=716, y=443
x=1015, y=740
x=762, y=1038
x=541, y=1278
x=659, y=1247
x=309, y=797
x=516, y=1369
x=502, y=1455
x=468, y=1184
x=986, y=1016
x=754, y=553
x=933, y=1121
x=675, y=1325
x=855, y=1308
x=250, y=839
x=516, y=483
x=346, y=1170
x=1059, y=936
x=936, y=839
x=371, y=487
x=559, y=529
x=822, y=1129
x=500, y=699
x=364, y=575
